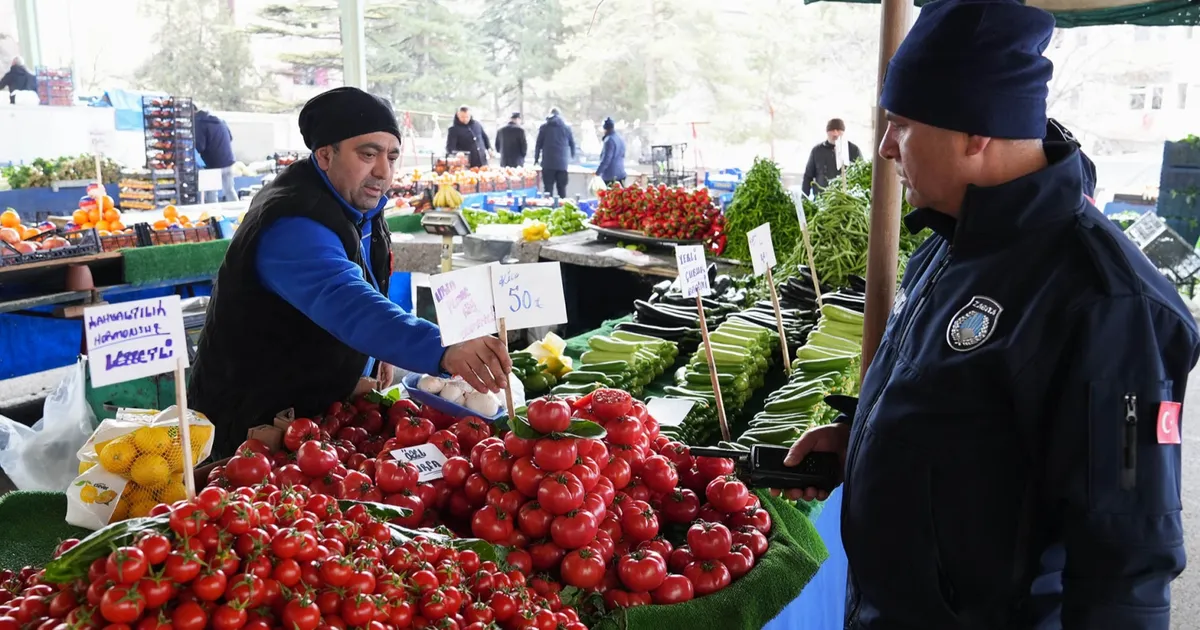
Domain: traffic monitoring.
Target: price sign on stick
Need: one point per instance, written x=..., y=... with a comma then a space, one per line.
x=463, y=301
x=693, y=280
x=693, y=270
x=669, y=412
x=526, y=296
x=762, y=250
x=133, y=340
x=762, y=255
x=529, y=295
x=798, y=199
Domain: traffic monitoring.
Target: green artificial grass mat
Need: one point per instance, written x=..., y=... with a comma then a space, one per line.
x=578, y=344
x=145, y=265
x=795, y=554
x=405, y=224
x=31, y=526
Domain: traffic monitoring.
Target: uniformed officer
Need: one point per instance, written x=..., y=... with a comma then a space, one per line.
x=1013, y=459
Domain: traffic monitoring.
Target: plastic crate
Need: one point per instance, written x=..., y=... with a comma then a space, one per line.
x=79, y=243
x=726, y=180
x=174, y=236
x=1186, y=154
x=115, y=242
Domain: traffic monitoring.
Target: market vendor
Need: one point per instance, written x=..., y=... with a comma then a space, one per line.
x=299, y=310
x=1013, y=459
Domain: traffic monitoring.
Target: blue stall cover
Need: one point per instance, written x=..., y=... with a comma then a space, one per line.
x=128, y=104
x=822, y=603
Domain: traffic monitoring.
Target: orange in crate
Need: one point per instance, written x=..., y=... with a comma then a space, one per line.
x=170, y=212
x=87, y=226
x=79, y=217
x=108, y=203
x=93, y=215
x=111, y=215
x=183, y=219
x=102, y=226
x=160, y=224
x=10, y=219
x=116, y=225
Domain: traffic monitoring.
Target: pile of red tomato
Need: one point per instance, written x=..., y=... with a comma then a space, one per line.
x=264, y=557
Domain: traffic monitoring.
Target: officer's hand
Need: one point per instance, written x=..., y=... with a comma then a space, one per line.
x=831, y=438
x=386, y=374
x=481, y=362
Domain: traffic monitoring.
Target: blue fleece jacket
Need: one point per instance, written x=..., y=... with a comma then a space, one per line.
x=304, y=262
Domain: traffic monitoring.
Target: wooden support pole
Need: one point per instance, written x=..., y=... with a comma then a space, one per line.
x=884, y=240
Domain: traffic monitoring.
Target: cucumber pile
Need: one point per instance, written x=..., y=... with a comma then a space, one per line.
x=827, y=364
x=742, y=352
x=624, y=360
x=700, y=426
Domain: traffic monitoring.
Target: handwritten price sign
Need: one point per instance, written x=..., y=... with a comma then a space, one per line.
x=762, y=250
x=693, y=270
x=134, y=340
x=529, y=295
x=463, y=301
x=427, y=458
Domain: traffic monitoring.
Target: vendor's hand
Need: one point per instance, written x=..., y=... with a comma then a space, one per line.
x=831, y=438
x=386, y=374
x=482, y=363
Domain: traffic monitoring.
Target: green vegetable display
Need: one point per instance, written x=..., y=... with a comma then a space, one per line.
x=760, y=199
x=565, y=219
x=41, y=172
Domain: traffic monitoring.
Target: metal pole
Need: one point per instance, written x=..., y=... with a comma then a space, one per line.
x=28, y=34
x=884, y=241
x=354, y=57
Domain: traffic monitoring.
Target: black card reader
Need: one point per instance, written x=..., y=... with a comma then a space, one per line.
x=762, y=467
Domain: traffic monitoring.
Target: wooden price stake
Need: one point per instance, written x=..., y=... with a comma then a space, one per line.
x=762, y=256
x=693, y=281
x=798, y=199
x=508, y=396
x=185, y=431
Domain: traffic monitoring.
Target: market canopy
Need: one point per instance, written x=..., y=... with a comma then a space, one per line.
x=1070, y=13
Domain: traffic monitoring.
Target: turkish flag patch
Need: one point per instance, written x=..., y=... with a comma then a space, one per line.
x=1168, y=422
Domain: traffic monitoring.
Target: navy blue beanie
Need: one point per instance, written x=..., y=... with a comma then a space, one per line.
x=974, y=66
x=609, y=124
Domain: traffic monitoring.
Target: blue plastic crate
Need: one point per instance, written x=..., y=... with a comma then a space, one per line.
x=589, y=206
x=441, y=404
x=726, y=180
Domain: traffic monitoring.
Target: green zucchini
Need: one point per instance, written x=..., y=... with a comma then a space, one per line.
x=610, y=368
x=841, y=314
x=825, y=340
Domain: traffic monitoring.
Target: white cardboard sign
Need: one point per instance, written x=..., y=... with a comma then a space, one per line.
x=529, y=295
x=693, y=270
x=463, y=301
x=762, y=250
x=669, y=412
x=134, y=340
x=427, y=458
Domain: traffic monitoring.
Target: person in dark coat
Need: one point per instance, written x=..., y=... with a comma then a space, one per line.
x=822, y=162
x=511, y=143
x=612, y=155
x=1017, y=429
x=299, y=312
x=214, y=143
x=18, y=78
x=467, y=136
x=555, y=148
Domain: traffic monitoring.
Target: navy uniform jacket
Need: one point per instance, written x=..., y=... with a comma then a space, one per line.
x=1016, y=390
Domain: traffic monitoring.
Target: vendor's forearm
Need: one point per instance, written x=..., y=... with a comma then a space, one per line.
x=321, y=282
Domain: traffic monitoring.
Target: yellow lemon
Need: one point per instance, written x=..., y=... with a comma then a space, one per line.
x=117, y=456
x=150, y=471
x=88, y=493
x=141, y=508
x=99, y=446
x=172, y=492
x=155, y=440
x=85, y=466
x=121, y=512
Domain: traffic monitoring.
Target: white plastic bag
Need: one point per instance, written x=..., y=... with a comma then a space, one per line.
x=596, y=185
x=43, y=457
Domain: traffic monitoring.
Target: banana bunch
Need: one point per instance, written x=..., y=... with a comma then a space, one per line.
x=447, y=197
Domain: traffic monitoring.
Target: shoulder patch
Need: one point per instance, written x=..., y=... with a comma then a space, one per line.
x=973, y=324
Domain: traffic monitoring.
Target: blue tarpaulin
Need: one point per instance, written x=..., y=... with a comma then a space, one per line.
x=822, y=603
x=128, y=104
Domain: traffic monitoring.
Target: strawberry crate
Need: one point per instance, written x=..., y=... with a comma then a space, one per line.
x=52, y=245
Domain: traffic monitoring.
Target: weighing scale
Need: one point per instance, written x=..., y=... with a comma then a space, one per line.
x=447, y=225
